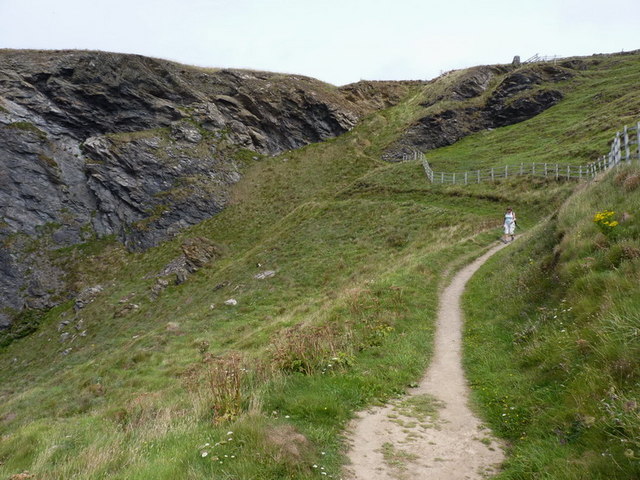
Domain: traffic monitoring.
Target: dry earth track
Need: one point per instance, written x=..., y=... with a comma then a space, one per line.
x=431, y=433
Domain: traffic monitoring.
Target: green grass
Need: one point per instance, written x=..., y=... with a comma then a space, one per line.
x=577, y=131
x=551, y=343
x=27, y=127
x=360, y=249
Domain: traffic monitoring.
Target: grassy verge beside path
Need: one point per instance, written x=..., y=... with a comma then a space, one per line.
x=552, y=343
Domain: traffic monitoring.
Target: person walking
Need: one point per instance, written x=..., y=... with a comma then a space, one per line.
x=509, y=225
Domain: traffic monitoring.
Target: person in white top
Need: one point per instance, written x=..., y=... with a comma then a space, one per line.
x=509, y=225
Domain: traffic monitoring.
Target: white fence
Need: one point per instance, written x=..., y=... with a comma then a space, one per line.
x=624, y=148
x=543, y=58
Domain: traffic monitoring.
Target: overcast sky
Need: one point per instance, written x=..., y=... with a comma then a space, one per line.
x=338, y=41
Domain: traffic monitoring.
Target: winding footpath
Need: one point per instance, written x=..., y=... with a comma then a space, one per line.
x=431, y=433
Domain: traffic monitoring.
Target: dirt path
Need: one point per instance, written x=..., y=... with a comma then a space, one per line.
x=431, y=433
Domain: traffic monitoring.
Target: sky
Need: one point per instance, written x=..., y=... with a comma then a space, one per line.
x=337, y=41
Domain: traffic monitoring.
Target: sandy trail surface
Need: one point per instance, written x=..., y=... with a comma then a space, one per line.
x=431, y=433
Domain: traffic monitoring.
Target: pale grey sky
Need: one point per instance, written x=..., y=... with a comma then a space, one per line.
x=338, y=41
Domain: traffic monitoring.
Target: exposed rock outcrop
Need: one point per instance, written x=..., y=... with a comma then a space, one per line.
x=95, y=143
x=520, y=95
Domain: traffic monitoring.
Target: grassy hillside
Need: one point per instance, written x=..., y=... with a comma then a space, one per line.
x=181, y=385
x=597, y=102
x=552, y=338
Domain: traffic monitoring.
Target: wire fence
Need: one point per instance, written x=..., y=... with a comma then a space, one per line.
x=624, y=148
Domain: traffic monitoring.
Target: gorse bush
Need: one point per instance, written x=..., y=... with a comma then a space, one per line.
x=605, y=221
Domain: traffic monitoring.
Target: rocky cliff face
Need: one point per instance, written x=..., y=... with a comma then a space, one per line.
x=106, y=144
x=95, y=144
x=501, y=97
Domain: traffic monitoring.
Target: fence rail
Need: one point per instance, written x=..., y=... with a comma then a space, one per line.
x=624, y=148
x=542, y=58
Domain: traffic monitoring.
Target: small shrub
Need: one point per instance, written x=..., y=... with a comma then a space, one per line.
x=631, y=183
x=397, y=239
x=24, y=323
x=628, y=180
x=630, y=251
x=221, y=386
x=376, y=331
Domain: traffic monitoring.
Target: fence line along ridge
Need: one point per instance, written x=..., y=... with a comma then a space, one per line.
x=624, y=148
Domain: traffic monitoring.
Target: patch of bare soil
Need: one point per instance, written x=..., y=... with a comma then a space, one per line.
x=431, y=433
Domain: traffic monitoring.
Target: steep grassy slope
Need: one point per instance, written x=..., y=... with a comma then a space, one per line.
x=552, y=341
x=597, y=102
x=180, y=385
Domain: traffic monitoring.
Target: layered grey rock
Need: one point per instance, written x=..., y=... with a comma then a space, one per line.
x=95, y=143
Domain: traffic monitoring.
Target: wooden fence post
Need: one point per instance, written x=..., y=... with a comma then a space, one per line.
x=492, y=178
x=478, y=176
x=521, y=169
x=627, y=153
x=506, y=171
x=638, y=139
x=465, y=177
x=545, y=170
x=568, y=171
x=557, y=171
x=441, y=177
